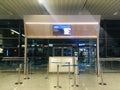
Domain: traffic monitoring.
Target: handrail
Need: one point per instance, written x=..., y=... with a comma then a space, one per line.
x=110, y=59
x=13, y=59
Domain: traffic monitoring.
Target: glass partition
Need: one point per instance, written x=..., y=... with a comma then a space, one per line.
x=39, y=51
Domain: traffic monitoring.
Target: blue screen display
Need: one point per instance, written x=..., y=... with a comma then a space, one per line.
x=62, y=29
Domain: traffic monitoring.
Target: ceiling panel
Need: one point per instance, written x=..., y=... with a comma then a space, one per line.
x=106, y=8
x=16, y=9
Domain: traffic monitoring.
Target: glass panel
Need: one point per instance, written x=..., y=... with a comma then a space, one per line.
x=10, y=52
x=38, y=51
x=10, y=42
x=9, y=45
x=22, y=52
x=87, y=55
x=67, y=51
x=113, y=49
x=9, y=32
x=50, y=51
x=58, y=51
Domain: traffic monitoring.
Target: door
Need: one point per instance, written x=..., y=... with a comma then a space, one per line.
x=87, y=57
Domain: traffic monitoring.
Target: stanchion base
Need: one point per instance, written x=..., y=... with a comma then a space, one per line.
x=46, y=77
x=75, y=85
x=102, y=84
x=70, y=78
x=30, y=73
x=18, y=83
x=57, y=87
x=26, y=78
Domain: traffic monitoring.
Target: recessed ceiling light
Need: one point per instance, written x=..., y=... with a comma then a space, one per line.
x=40, y=1
x=115, y=13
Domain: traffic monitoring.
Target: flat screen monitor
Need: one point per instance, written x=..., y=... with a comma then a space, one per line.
x=62, y=30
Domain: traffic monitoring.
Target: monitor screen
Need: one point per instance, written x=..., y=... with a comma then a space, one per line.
x=62, y=30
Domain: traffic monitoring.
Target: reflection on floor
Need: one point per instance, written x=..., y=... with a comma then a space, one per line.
x=37, y=81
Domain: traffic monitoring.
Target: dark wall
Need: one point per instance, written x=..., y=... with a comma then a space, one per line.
x=110, y=38
x=11, y=38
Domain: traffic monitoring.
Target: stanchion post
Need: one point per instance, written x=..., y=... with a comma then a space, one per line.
x=30, y=71
x=101, y=76
x=19, y=75
x=74, y=85
x=69, y=70
x=27, y=76
x=58, y=86
x=47, y=71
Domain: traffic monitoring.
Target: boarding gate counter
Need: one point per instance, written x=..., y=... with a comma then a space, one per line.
x=62, y=61
x=62, y=27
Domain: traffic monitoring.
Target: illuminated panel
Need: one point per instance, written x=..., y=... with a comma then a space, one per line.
x=82, y=23
x=61, y=26
x=62, y=29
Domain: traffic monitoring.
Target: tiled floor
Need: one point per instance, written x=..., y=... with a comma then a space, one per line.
x=37, y=81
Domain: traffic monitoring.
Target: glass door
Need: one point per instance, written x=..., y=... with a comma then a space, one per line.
x=57, y=51
x=87, y=56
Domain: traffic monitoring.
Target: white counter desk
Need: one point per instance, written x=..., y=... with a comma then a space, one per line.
x=54, y=61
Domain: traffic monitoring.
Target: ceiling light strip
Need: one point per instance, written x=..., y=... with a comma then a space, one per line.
x=61, y=23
